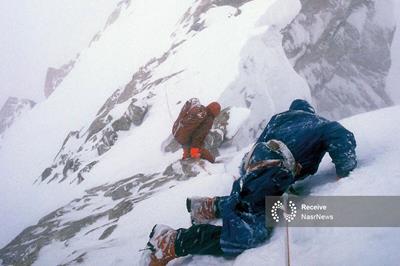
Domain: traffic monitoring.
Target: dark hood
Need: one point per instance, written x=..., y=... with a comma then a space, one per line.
x=301, y=105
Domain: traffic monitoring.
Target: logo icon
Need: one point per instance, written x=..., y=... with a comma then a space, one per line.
x=289, y=216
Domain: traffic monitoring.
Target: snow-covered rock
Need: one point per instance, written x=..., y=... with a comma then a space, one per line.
x=107, y=127
x=55, y=76
x=109, y=224
x=393, y=78
x=342, y=49
x=103, y=205
x=258, y=81
x=12, y=109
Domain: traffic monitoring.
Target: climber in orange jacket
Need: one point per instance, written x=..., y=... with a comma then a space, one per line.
x=192, y=127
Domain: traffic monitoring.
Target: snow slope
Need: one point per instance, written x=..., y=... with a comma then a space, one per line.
x=394, y=74
x=378, y=173
x=212, y=61
x=213, y=50
x=12, y=109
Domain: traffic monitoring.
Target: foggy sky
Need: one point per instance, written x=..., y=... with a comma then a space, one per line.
x=36, y=34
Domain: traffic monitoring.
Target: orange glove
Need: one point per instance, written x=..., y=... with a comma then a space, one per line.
x=195, y=153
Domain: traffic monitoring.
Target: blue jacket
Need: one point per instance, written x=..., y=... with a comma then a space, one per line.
x=309, y=137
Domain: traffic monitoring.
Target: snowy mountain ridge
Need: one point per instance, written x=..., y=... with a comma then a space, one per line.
x=343, y=50
x=12, y=109
x=105, y=129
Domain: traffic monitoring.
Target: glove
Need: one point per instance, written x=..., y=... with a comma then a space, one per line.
x=195, y=153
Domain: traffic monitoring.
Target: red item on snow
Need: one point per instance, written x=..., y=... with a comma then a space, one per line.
x=195, y=153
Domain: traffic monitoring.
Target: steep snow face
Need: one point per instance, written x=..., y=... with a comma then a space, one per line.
x=109, y=224
x=107, y=127
x=12, y=109
x=258, y=85
x=102, y=68
x=263, y=85
x=393, y=79
x=105, y=66
x=154, y=60
x=235, y=45
x=342, y=49
x=55, y=76
x=106, y=203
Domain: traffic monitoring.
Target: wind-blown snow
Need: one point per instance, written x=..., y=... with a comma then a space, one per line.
x=393, y=79
x=34, y=140
x=236, y=59
x=239, y=115
x=358, y=18
x=41, y=34
x=378, y=173
x=212, y=62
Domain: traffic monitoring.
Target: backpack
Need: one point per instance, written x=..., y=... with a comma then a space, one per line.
x=191, y=116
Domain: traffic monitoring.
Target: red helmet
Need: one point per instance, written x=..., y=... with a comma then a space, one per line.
x=214, y=108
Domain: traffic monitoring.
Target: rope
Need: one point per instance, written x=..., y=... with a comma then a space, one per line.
x=287, y=246
x=168, y=106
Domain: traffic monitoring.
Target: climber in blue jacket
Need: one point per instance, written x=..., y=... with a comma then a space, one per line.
x=290, y=148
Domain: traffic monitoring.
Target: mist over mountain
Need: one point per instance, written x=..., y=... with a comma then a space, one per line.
x=89, y=169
